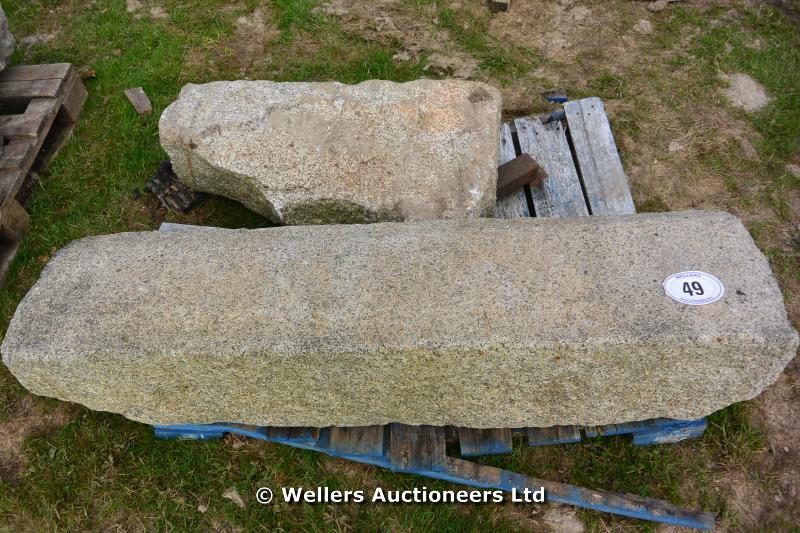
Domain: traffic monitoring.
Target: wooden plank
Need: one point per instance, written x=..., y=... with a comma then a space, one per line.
x=10, y=182
x=64, y=123
x=278, y=433
x=513, y=176
x=21, y=126
x=304, y=433
x=14, y=225
x=542, y=436
x=353, y=441
x=34, y=123
x=607, y=189
x=485, y=476
x=23, y=90
x=515, y=205
x=416, y=448
x=14, y=221
x=52, y=71
x=553, y=435
x=569, y=434
x=74, y=97
x=476, y=442
x=561, y=195
x=17, y=154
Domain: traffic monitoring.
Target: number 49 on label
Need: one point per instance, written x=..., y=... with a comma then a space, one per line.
x=694, y=288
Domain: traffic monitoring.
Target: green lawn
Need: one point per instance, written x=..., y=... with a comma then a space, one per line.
x=102, y=471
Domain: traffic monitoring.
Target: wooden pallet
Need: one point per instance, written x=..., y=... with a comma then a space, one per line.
x=577, y=149
x=421, y=450
x=39, y=107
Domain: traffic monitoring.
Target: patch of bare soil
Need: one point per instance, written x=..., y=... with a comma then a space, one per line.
x=745, y=92
x=562, y=519
x=28, y=418
x=246, y=48
x=566, y=30
x=138, y=9
x=251, y=36
x=394, y=21
x=777, y=415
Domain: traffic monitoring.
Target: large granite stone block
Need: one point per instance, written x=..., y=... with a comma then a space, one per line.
x=483, y=323
x=327, y=153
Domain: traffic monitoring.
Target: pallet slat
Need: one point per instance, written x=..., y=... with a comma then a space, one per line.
x=416, y=448
x=607, y=189
x=52, y=71
x=353, y=441
x=476, y=442
x=74, y=97
x=17, y=154
x=610, y=502
x=561, y=195
x=33, y=123
x=24, y=89
x=514, y=205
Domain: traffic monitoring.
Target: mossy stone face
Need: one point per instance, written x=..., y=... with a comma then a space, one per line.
x=335, y=212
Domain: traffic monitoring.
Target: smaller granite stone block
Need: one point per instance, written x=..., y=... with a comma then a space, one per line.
x=326, y=153
x=474, y=323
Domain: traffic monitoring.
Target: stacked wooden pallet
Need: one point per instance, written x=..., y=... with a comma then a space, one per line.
x=39, y=107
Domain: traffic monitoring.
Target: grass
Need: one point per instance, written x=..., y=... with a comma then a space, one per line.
x=102, y=471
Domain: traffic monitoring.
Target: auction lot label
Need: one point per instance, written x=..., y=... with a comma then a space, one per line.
x=694, y=288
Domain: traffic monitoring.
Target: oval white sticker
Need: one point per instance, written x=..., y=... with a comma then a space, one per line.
x=694, y=288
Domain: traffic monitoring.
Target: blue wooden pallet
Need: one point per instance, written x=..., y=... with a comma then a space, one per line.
x=421, y=450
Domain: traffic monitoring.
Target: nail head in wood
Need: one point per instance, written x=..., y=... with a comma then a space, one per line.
x=141, y=103
x=517, y=173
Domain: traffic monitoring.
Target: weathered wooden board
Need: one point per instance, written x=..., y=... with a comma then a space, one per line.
x=553, y=435
x=416, y=447
x=17, y=154
x=411, y=448
x=32, y=124
x=630, y=505
x=24, y=89
x=513, y=176
x=561, y=195
x=515, y=205
x=365, y=440
x=604, y=180
x=52, y=71
x=74, y=97
x=476, y=442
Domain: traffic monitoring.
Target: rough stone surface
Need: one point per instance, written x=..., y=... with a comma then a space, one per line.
x=484, y=323
x=307, y=153
x=6, y=40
